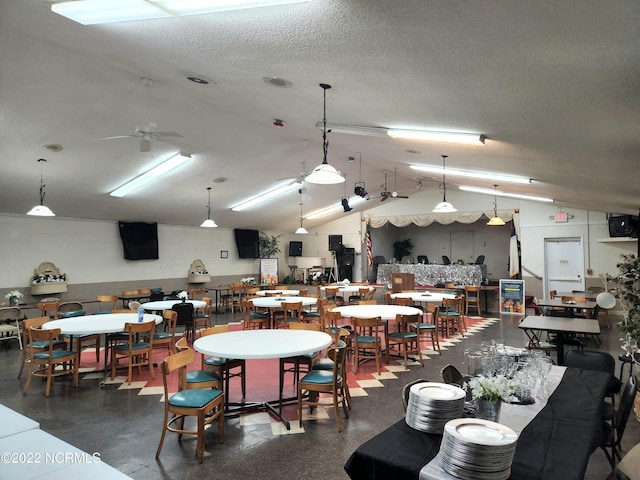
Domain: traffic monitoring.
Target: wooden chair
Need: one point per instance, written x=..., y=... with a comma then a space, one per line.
x=194, y=293
x=332, y=296
x=206, y=405
x=368, y=336
x=202, y=316
x=224, y=366
x=331, y=382
x=27, y=347
x=406, y=302
x=360, y=296
x=425, y=328
x=473, y=298
x=107, y=303
x=44, y=362
x=450, y=316
x=138, y=352
x=196, y=378
x=367, y=302
x=315, y=315
x=49, y=309
x=167, y=339
x=291, y=312
x=293, y=364
x=404, y=336
x=252, y=318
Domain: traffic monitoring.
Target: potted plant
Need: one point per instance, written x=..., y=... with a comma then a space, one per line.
x=489, y=392
x=626, y=288
x=269, y=247
x=401, y=249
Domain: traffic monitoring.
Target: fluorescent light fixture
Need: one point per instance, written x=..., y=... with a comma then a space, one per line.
x=497, y=177
x=488, y=191
x=452, y=137
x=92, y=12
x=266, y=196
x=149, y=176
x=396, y=133
x=333, y=208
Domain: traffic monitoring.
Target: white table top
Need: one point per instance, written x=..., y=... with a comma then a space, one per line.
x=167, y=304
x=275, y=302
x=262, y=293
x=385, y=312
x=107, y=323
x=560, y=324
x=349, y=289
x=435, y=297
x=14, y=422
x=261, y=344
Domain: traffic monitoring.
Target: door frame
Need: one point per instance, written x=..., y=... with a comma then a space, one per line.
x=546, y=241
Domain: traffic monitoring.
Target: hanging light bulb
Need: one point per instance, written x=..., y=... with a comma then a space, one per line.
x=495, y=221
x=41, y=210
x=301, y=230
x=208, y=223
x=444, y=206
x=325, y=173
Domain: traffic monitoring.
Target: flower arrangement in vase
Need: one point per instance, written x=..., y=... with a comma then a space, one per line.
x=489, y=392
x=14, y=297
x=183, y=296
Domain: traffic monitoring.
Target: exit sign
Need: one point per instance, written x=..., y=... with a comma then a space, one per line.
x=561, y=217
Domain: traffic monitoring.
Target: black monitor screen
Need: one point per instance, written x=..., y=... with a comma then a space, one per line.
x=248, y=243
x=140, y=240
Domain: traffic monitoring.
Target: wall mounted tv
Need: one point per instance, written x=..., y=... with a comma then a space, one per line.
x=248, y=243
x=140, y=240
x=623, y=226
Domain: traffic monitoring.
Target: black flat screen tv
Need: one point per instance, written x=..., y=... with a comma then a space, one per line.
x=139, y=239
x=623, y=226
x=248, y=243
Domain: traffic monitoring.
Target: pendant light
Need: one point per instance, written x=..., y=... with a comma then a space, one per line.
x=208, y=223
x=324, y=173
x=301, y=230
x=495, y=221
x=41, y=210
x=444, y=206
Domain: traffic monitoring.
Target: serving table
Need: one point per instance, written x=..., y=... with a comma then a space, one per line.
x=262, y=344
x=434, y=274
x=555, y=444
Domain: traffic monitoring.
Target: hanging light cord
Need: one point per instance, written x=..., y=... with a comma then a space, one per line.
x=42, y=185
x=444, y=181
x=325, y=142
x=495, y=201
x=209, y=205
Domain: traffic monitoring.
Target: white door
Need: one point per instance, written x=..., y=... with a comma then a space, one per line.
x=564, y=264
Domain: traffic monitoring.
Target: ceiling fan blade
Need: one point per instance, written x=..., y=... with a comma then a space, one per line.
x=167, y=134
x=118, y=136
x=185, y=148
x=145, y=145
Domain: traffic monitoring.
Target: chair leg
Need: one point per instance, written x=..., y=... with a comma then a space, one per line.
x=200, y=436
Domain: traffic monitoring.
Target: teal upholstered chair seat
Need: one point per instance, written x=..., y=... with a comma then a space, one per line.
x=407, y=335
x=215, y=361
x=201, y=376
x=319, y=377
x=73, y=313
x=162, y=335
x=193, y=398
x=43, y=344
x=54, y=354
x=136, y=346
x=423, y=326
x=367, y=339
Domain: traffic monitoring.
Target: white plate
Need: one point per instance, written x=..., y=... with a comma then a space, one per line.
x=481, y=432
x=437, y=391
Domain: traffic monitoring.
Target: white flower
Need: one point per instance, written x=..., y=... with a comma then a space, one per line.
x=13, y=293
x=183, y=294
x=247, y=280
x=490, y=388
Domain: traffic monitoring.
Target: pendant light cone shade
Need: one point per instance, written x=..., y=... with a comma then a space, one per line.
x=324, y=173
x=301, y=230
x=41, y=210
x=208, y=223
x=444, y=206
x=495, y=221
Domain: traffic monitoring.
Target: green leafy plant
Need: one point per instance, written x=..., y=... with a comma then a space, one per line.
x=401, y=249
x=269, y=247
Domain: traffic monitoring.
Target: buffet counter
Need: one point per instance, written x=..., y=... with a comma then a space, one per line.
x=435, y=274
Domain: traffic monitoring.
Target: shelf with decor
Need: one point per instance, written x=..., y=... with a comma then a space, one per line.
x=618, y=240
x=47, y=279
x=198, y=272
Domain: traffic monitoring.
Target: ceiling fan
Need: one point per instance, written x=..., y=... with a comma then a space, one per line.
x=386, y=193
x=149, y=133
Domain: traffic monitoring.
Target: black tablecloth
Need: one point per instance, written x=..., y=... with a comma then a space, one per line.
x=556, y=444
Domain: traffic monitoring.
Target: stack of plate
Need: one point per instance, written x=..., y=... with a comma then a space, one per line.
x=475, y=449
x=431, y=405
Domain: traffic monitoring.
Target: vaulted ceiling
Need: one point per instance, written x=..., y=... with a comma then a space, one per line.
x=553, y=85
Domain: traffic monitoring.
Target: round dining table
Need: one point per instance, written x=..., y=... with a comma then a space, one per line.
x=276, y=302
x=385, y=312
x=426, y=297
x=168, y=304
x=263, y=293
x=348, y=288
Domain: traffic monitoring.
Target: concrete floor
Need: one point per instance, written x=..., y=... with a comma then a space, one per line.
x=124, y=427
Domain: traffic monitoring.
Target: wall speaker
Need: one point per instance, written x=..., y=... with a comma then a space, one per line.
x=335, y=243
x=295, y=249
x=348, y=256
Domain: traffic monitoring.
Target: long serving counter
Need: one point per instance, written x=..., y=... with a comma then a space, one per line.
x=427, y=274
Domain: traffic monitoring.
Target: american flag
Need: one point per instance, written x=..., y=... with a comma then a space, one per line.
x=369, y=246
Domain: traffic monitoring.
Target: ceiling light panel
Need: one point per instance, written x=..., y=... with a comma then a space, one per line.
x=494, y=177
x=488, y=191
x=149, y=176
x=266, y=196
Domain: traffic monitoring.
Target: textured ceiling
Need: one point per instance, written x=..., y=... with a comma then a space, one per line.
x=552, y=84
